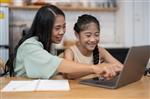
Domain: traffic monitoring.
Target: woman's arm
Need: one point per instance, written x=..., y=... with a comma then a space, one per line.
x=71, y=67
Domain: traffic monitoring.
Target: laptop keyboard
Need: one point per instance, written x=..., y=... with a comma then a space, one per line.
x=110, y=82
x=98, y=82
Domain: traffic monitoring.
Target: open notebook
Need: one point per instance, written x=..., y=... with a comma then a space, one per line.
x=37, y=85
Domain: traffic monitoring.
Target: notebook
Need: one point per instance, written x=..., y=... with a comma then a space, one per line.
x=133, y=70
x=37, y=85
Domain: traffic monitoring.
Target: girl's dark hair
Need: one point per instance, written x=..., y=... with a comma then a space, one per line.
x=41, y=27
x=81, y=25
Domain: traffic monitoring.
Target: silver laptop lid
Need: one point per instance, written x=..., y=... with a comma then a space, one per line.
x=134, y=65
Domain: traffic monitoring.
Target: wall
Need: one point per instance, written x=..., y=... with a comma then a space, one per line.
x=141, y=25
x=19, y=20
x=125, y=27
x=107, y=25
x=133, y=22
x=20, y=17
x=4, y=33
x=149, y=22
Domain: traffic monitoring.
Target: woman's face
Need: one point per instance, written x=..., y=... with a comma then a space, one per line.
x=59, y=29
x=89, y=38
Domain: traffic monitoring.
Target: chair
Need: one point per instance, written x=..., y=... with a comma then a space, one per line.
x=25, y=31
x=61, y=55
x=2, y=66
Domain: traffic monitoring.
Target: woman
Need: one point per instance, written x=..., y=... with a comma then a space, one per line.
x=33, y=56
x=86, y=50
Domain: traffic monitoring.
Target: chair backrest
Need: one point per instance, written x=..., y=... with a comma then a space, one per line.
x=61, y=55
x=25, y=31
x=2, y=66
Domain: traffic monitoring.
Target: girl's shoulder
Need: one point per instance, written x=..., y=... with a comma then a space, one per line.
x=101, y=49
x=69, y=50
x=68, y=54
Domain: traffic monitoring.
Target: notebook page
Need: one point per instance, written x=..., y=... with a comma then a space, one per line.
x=13, y=86
x=54, y=85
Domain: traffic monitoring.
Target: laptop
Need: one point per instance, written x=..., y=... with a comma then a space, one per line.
x=134, y=66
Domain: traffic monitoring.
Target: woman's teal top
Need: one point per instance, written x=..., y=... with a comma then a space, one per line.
x=35, y=62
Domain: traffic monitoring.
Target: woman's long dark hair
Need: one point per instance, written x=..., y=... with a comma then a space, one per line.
x=41, y=27
x=81, y=25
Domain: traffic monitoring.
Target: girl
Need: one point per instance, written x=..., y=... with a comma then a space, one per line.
x=86, y=50
x=33, y=58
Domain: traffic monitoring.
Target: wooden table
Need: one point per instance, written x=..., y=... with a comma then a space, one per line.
x=137, y=90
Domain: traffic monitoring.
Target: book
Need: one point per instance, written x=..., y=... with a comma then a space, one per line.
x=37, y=85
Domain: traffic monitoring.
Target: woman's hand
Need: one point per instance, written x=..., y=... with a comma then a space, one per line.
x=107, y=70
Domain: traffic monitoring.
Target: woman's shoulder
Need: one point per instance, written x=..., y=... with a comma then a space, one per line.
x=32, y=41
x=31, y=44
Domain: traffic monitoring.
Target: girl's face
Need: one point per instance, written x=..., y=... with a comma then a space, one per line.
x=59, y=29
x=89, y=38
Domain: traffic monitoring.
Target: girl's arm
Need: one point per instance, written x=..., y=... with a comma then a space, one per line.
x=68, y=54
x=99, y=68
x=108, y=58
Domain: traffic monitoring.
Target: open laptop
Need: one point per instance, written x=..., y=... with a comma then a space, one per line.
x=134, y=66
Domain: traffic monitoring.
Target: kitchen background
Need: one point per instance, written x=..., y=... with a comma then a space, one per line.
x=124, y=23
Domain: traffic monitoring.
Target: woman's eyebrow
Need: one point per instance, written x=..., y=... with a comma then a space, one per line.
x=60, y=25
x=90, y=32
x=97, y=32
x=87, y=33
